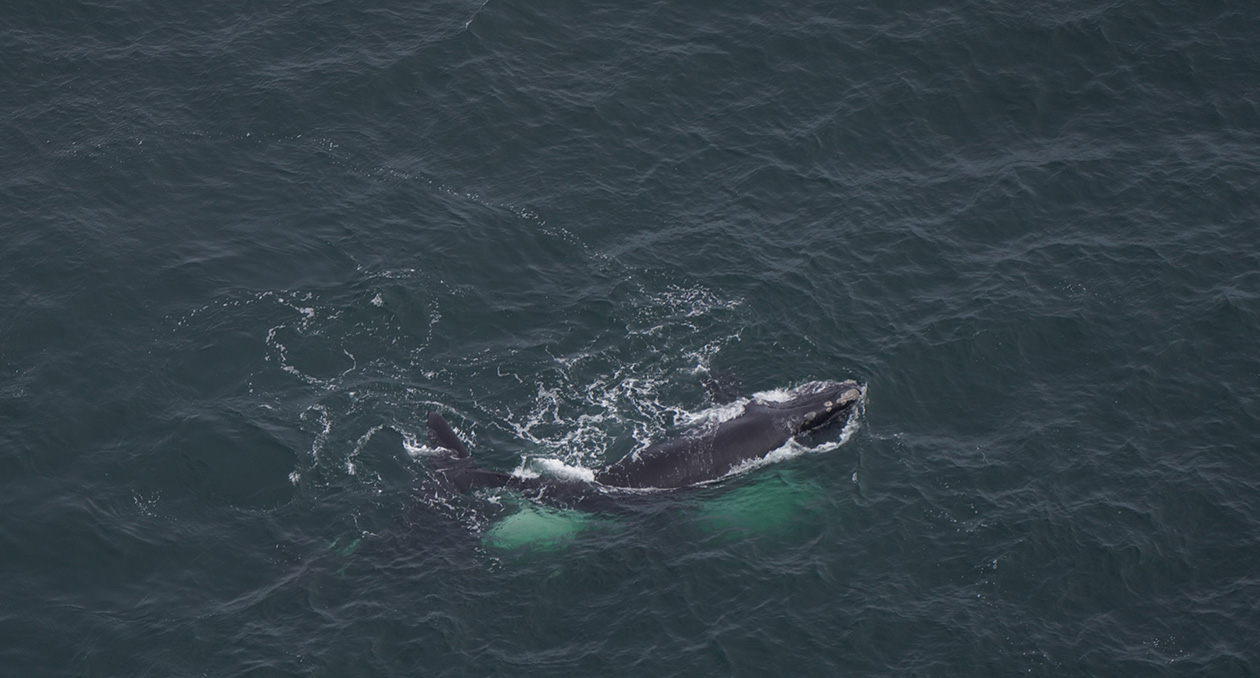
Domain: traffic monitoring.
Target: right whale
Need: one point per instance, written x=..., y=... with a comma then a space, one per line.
x=701, y=454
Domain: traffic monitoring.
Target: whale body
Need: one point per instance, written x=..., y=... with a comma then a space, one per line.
x=702, y=454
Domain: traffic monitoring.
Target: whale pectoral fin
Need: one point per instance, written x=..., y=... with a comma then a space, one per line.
x=460, y=470
x=723, y=387
x=442, y=435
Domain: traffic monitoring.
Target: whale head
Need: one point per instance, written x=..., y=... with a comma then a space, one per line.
x=821, y=404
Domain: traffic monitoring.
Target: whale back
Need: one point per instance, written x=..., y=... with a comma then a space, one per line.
x=702, y=454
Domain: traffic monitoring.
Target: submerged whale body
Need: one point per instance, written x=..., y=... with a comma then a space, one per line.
x=705, y=453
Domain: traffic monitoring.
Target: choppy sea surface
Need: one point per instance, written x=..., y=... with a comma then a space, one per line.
x=245, y=247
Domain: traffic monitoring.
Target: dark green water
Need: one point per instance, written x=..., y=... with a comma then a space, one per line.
x=246, y=246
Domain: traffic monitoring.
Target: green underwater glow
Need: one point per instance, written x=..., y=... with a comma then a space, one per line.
x=540, y=528
x=773, y=503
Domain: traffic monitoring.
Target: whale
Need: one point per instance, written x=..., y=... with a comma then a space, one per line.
x=702, y=454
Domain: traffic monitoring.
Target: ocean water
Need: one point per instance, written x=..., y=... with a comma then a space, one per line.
x=246, y=246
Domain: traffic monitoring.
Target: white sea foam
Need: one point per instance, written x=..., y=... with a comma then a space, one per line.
x=563, y=471
x=594, y=401
x=417, y=447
